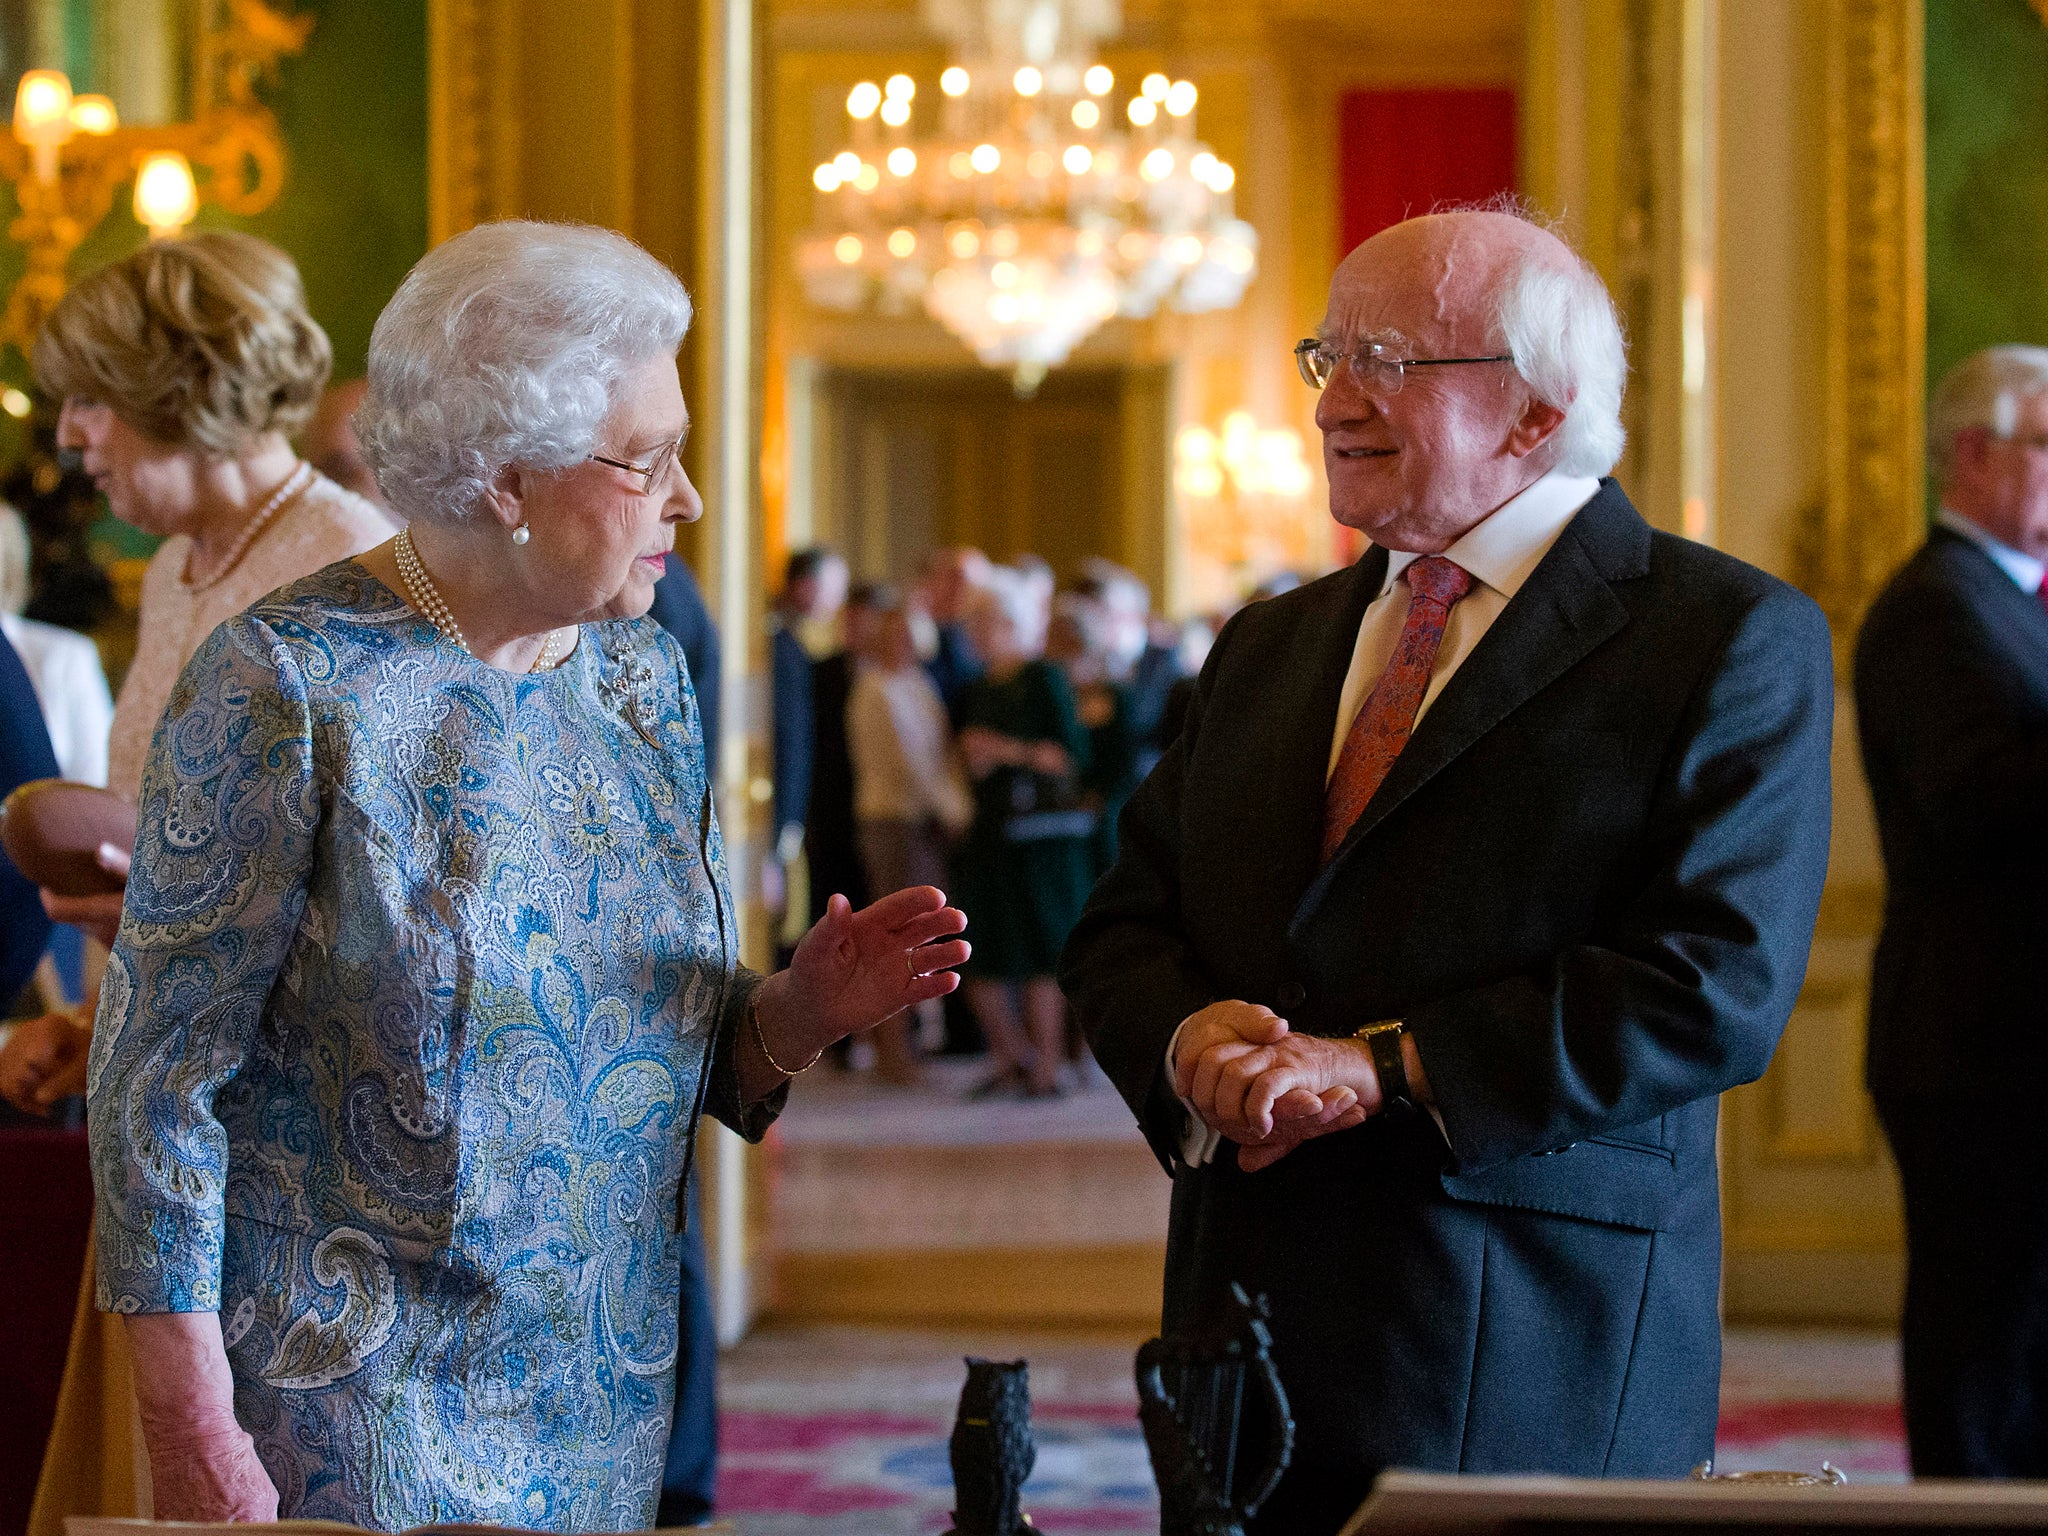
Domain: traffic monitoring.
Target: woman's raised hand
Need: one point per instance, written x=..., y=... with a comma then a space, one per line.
x=855, y=969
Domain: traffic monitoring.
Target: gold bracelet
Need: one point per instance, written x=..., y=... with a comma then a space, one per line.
x=760, y=1039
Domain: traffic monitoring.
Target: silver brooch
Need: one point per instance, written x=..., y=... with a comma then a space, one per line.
x=625, y=687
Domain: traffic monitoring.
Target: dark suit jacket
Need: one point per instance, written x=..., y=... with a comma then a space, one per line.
x=1952, y=703
x=792, y=728
x=952, y=667
x=679, y=609
x=24, y=754
x=831, y=843
x=1589, y=885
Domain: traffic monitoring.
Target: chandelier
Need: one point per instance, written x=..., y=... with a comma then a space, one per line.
x=1039, y=203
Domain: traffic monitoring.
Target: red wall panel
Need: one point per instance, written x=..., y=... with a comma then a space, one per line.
x=1403, y=152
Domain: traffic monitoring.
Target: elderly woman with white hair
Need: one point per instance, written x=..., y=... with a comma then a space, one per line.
x=428, y=965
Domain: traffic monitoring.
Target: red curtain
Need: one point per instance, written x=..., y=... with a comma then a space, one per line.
x=1401, y=153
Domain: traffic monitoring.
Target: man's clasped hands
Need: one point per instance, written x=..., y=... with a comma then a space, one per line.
x=1255, y=1081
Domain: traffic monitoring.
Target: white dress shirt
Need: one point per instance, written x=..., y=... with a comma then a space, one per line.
x=1499, y=553
x=64, y=668
x=2024, y=569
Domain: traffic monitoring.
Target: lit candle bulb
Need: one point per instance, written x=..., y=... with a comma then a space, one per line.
x=166, y=197
x=42, y=117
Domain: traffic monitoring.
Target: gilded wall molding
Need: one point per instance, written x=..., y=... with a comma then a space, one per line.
x=1872, y=512
x=472, y=118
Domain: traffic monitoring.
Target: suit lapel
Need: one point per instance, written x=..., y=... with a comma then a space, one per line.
x=1326, y=639
x=1565, y=609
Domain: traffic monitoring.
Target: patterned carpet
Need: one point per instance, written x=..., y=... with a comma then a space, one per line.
x=842, y=1432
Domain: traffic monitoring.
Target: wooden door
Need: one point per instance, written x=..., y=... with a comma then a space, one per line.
x=911, y=462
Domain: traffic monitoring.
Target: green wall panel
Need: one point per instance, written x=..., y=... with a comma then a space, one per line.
x=353, y=212
x=1987, y=178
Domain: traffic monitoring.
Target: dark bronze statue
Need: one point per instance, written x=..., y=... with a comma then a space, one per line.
x=992, y=1449
x=1216, y=1421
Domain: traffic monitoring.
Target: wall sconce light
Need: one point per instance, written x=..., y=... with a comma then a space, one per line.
x=42, y=118
x=1244, y=506
x=1243, y=458
x=166, y=194
x=69, y=154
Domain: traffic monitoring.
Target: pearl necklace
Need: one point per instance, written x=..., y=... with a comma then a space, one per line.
x=295, y=485
x=426, y=597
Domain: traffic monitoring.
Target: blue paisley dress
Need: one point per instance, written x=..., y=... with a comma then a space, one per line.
x=425, y=973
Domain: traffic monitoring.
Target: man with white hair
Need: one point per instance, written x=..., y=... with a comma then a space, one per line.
x=1478, y=871
x=1952, y=703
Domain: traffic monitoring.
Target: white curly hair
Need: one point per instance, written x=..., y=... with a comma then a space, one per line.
x=1554, y=315
x=506, y=347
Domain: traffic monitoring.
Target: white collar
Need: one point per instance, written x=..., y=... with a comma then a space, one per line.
x=2024, y=569
x=1510, y=542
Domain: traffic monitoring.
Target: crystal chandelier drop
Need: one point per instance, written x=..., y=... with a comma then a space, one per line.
x=1040, y=203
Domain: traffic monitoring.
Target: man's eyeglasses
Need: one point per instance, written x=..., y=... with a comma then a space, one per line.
x=1376, y=365
x=650, y=473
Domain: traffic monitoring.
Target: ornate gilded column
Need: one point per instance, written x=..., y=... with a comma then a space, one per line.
x=1810, y=1199
x=1872, y=514
x=641, y=115
x=472, y=114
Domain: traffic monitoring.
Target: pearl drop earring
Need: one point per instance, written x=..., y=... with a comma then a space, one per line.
x=521, y=534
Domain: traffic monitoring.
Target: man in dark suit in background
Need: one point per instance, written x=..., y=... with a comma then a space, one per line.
x=24, y=755
x=1478, y=871
x=813, y=588
x=1952, y=703
x=831, y=838
x=679, y=609
x=951, y=577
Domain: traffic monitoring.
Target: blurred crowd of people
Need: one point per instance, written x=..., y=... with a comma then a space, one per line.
x=977, y=729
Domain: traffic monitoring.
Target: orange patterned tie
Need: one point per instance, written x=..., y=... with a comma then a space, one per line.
x=1381, y=729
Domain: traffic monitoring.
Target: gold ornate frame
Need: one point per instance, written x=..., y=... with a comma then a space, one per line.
x=472, y=114
x=1872, y=513
x=1809, y=1197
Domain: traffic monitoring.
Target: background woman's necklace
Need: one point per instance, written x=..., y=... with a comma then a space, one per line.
x=294, y=486
x=426, y=597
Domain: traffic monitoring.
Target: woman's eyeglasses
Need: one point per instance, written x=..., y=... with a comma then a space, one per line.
x=652, y=472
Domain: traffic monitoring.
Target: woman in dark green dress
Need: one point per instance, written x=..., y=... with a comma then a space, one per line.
x=1026, y=866
x=1078, y=641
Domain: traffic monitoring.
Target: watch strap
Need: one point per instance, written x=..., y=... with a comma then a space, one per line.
x=1384, y=1041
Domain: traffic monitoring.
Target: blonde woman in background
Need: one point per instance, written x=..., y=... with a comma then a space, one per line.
x=185, y=371
x=1025, y=866
x=910, y=795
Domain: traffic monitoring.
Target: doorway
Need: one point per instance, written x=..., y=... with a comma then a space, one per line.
x=911, y=462
x=937, y=1203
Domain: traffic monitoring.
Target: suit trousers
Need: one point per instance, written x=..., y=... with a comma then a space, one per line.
x=1975, y=1174
x=689, y=1480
